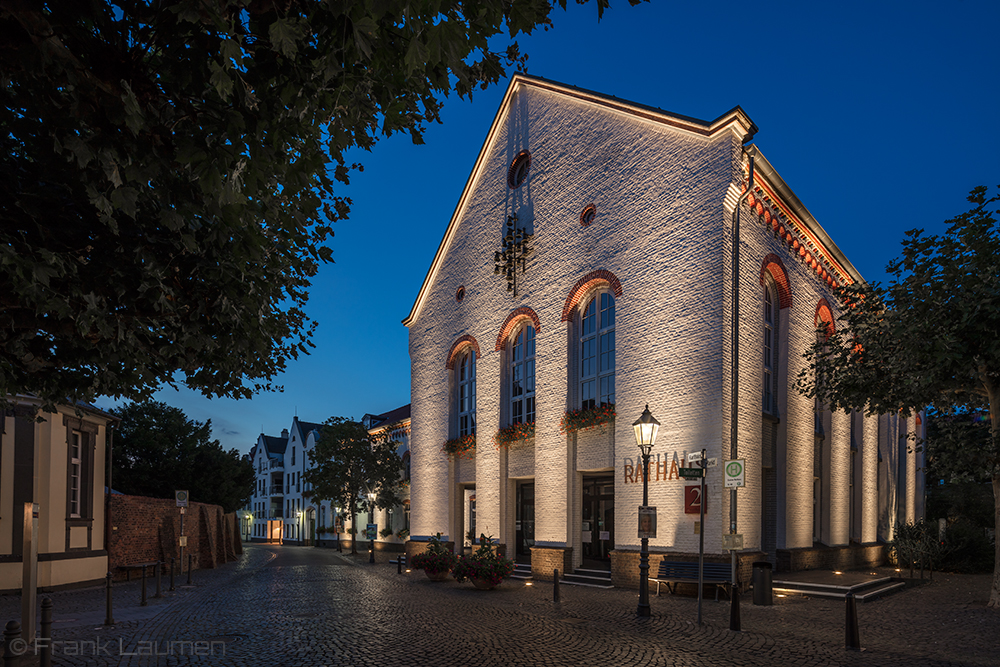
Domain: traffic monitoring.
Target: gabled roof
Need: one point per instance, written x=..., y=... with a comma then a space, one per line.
x=733, y=120
x=275, y=446
x=393, y=416
x=306, y=427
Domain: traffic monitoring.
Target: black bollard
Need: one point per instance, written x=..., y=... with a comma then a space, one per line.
x=734, y=608
x=190, y=561
x=399, y=564
x=11, y=637
x=45, y=628
x=852, y=640
x=156, y=573
x=143, y=602
x=109, y=618
x=555, y=586
x=171, y=573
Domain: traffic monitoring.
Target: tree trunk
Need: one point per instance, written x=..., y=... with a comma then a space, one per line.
x=354, y=538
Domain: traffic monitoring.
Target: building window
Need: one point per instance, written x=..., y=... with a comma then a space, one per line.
x=406, y=466
x=770, y=311
x=521, y=352
x=76, y=474
x=467, y=392
x=597, y=352
x=293, y=456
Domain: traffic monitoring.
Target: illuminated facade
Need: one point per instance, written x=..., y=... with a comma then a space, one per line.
x=587, y=270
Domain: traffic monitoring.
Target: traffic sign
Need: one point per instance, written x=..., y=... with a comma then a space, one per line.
x=735, y=472
x=712, y=462
x=182, y=498
x=693, y=457
x=691, y=473
x=732, y=541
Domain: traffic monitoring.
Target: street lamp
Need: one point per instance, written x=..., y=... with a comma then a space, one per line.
x=371, y=520
x=645, y=435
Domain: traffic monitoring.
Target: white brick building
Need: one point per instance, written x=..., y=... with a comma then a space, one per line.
x=626, y=301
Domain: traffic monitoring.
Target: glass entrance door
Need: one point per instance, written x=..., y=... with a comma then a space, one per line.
x=524, y=521
x=598, y=527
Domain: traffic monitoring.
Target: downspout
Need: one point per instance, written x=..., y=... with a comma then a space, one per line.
x=735, y=374
x=107, y=494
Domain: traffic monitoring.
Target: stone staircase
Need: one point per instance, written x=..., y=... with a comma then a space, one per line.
x=863, y=591
x=592, y=578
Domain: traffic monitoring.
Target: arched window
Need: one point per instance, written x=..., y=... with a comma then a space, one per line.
x=521, y=353
x=770, y=348
x=465, y=367
x=597, y=351
x=406, y=466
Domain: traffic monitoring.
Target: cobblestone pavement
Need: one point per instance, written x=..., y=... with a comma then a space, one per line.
x=289, y=606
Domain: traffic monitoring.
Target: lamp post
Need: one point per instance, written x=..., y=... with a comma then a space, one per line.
x=371, y=520
x=645, y=435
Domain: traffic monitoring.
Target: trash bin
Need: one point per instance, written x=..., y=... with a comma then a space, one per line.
x=762, y=583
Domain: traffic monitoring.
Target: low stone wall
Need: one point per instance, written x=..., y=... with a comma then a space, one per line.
x=853, y=557
x=147, y=529
x=544, y=560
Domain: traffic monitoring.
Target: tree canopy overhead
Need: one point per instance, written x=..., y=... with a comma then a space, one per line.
x=158, y=450
x=170, y=172
x=929, y=338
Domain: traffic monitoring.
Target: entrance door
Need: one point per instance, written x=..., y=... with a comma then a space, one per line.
x=598, y=529
x=524, y=521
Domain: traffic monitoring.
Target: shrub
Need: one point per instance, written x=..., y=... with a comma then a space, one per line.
x=463, y=447
x=436, y=559
x=485, y=564
x=581, y=420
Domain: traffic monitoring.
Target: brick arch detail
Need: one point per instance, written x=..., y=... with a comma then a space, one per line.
x=585, y=284
x=513, y=320
x=457, y=347
x=772, y=264
x=824, y=314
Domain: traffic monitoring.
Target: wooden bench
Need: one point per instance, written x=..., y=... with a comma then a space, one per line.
x=675, y=572
x=137, y=566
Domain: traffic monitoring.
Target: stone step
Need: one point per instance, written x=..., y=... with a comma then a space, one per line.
x=868, y=590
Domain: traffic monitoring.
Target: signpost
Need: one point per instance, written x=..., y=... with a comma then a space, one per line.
x=691, y=473
x=182, y=502
x=701, y=535
x=647, y=522
x=735, y=473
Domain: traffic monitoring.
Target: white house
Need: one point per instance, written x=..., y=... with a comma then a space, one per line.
x=587, y=268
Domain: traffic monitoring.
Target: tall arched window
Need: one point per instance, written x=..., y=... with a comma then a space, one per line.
x=597, y=351
x=770, y=320
x=522, y=375
x=466, y=369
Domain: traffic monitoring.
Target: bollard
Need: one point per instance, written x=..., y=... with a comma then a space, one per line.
x=555, y=586
x=399, y=564
x=143, y=602
x=46, y=629
x=852, y=640
x=11, y=634
x=734, y=608
x=109, y=618
x=171, y=573
x=763, y=591
x=190, y=561
x=156, y=573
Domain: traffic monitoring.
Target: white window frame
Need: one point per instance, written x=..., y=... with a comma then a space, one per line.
x=465, y=375
x=521, y=348
x=75, y=474
x=600, y=373
x=769, y=356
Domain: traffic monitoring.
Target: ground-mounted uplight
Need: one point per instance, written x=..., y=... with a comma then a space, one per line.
x=837, y=572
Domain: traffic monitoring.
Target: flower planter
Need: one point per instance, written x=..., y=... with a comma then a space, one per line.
x=482, y=584
x=437, y=576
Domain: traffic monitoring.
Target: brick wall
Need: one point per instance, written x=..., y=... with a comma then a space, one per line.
x=147, y=529
x=545, y=560
x=831, y=558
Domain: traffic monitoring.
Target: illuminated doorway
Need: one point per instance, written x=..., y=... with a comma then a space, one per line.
x=598, y=527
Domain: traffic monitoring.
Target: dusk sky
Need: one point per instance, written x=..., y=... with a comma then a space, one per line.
x=881, y=116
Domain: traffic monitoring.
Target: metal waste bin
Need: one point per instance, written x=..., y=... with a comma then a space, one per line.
x=762, y=594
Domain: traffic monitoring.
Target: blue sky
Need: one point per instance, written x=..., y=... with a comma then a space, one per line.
x=881, y=116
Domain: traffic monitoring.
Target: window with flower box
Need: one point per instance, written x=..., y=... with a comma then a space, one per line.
x=597, y=351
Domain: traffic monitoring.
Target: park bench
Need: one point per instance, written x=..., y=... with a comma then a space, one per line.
x=675, y=572
x=137, y=566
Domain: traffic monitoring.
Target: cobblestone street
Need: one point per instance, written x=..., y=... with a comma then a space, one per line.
x=286, y=606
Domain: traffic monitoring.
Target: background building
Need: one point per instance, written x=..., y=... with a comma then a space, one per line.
x=587, y=272
x=58, y=463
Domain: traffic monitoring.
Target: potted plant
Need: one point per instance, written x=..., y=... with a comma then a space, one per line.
x=385, y=533
x=485, y=567
x=403, y=533
x=437, y=561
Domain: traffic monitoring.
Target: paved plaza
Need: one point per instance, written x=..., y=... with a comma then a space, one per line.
x=289, y=606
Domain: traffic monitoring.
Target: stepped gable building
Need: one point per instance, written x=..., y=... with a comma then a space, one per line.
x=585, y=273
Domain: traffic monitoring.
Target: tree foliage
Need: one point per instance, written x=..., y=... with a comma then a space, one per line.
x=158, y=450
x=348, y=462
x=171, y=167
x=929, y=338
